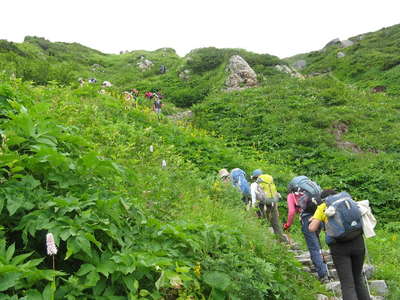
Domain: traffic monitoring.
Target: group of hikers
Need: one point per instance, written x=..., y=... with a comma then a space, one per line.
x=343, y=220
x=132, y=95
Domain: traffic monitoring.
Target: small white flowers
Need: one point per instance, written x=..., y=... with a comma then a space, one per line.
x=51, y=246
x=164, y=163
x=151, y=148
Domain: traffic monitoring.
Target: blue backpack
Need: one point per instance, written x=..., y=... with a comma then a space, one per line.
x=238, y=177
x=344, y=218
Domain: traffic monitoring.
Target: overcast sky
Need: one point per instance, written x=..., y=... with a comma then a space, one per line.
x=278, y=27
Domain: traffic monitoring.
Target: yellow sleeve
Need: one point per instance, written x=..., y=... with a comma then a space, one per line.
x=320, y=213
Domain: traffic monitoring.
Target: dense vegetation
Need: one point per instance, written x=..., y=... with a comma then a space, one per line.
x=77, y=164
x=80, y=167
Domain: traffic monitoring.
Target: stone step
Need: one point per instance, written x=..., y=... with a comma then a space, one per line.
x=377, y=288
x=368, y=271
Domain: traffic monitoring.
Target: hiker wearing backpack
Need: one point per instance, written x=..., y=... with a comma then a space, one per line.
x=265, y=197
x=343, y=223
x=238, y=178
x=224, y=175
x=303, y=197
x=157, y=105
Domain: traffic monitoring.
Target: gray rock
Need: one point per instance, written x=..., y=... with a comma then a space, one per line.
x=377, y=298
x=333, y=42
x=378, y=287
x=144, y=64
x=321, y=297
x=340, y=54
x=241, y=75
x=334, y=286
x=184, y=75
x=346, y=43
x=300, y=64
x=289, y=70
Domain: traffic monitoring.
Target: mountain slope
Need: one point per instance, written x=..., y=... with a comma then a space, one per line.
x=373, y=60
x=77, y=164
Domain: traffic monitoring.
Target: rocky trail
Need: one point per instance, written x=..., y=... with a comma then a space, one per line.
x=378, y=288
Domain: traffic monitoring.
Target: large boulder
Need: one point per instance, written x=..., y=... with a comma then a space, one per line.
x=289, y=70
x=346, y=43
x=144, y=64
x=300, y=64
x=241, y=74
x=340, y=54
x=333, y=42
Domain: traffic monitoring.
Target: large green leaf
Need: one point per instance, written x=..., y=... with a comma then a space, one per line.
x=217, y=280
x=9, y=280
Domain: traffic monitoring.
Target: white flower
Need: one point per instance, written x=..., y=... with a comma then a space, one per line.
x=163, y=163
x=151, y=148
x=51, y=246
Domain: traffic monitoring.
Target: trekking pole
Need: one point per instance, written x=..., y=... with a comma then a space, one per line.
x=369, y=262
x=328, y=273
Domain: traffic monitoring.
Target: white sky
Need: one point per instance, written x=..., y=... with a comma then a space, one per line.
x=278, y=27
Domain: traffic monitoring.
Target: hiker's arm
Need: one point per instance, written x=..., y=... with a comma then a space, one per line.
x=318, y=217
x=291, y=210
x=314, y=225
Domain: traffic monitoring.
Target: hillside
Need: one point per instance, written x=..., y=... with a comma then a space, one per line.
x=77, y=163
x=369, y=60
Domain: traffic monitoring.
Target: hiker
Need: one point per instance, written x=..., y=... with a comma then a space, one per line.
x=238, y=178
x=81, y=82
x=148, y=95
x=163, y=69
x=342, y=219
x=106, y=84
x=301, y=189
x=128, y=97
x=224, y=175
x=135, y=93
x=157, y=105
x=265, y=196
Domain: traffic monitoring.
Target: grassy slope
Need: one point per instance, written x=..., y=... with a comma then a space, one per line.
x=373, y=60
x=253, y=119
x=77, y=164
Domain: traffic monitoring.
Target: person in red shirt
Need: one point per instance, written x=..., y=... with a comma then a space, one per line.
x=312, y=238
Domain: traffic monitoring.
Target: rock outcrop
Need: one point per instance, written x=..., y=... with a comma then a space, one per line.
x=289, y=70
x=184, y=75
x=338, y=42
x=346, y=43
x=340, y=54
x=144, y=64
x=300, y=64
x=333, y=42
x=241, y=74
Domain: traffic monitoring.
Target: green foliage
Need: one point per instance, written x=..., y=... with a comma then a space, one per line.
x=204, y=59
x=372, y=60
x=78, y=165
x=292, y=123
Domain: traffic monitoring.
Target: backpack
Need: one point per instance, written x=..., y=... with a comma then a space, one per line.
x=344, y=218
x=311, y=193
x=238, y=177
x=266, y=184
x=262, y=198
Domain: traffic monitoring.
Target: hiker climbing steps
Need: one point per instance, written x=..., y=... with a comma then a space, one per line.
x=378, y=288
